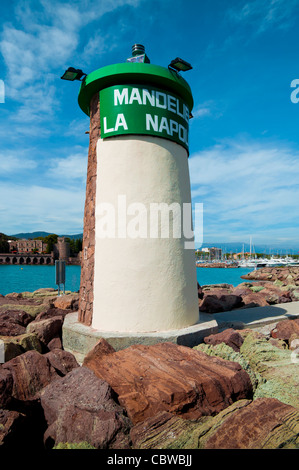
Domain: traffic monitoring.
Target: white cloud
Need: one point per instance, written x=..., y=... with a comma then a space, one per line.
x=42, y=37
x=263, y=14
x=73, y=167
x=247, y=187
x=55, y=210
x=201, y=111
x=12, y=163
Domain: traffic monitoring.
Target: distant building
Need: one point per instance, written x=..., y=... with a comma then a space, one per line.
x=62, y=249
x=27, y=246
x=211, y=253
x=36, y=248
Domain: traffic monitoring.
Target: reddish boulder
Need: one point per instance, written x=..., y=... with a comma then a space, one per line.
x=52, y=312
x=199, y=291
x=11, y=428
x=242, y=290
x=210, y=304
x=8, y=328
x=66, y=302
x=165, y=431
x=219, y=302
x=14, y=295
x=55, y=343
x=274, y=295
x=16, y=316
x=62, y=361
x=265, y=423
x=14, y=322
x=46, y=329
x=6, y=384
x=229, y=336
x=102, y=348
x=285, y=329
x=255, y=299
x=31, y=372
x=168, y=377
x=81, y=407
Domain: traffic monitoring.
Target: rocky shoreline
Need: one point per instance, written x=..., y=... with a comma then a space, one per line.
x=235, y=390
x=265, y=286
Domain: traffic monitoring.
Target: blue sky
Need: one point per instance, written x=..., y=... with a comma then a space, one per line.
x=244, y=137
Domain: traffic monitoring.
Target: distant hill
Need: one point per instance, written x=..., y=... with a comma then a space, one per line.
x=44, y=234
x=228, y=247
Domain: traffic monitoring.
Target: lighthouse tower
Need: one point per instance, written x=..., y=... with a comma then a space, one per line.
x=138, y=274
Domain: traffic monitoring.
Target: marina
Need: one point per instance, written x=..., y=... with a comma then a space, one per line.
x=253, y=263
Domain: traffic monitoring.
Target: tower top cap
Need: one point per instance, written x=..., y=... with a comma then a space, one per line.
x=138, y=49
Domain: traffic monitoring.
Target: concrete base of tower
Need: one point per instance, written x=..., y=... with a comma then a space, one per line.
x=79, y=339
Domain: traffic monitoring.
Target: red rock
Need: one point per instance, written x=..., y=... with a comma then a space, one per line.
x=102, y=348
x=46, y=329
x=161, y=430
x=8, y=328
x=274, y=295
x=14, y=295
x=14, y=322
x=200, y=291
x=6, y=384
x=287, y=275
x=31, y=372
x=81, y=407
x=285, y=329
x=278, y=343
x=263, y=423
x=210, y=304
x=66, y=302
x=11, y=428
x=16, y=316
x=55, y=343
x=62, y=361
x=229, y=336
x=168, y=377
x=215, y=301
x=52, y=312
x=242, y=290
x=255, y=299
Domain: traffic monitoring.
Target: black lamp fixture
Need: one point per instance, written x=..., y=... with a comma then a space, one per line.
x=72, y=74
x=179, y=65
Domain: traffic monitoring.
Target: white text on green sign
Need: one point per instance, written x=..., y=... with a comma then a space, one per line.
x=129, y=109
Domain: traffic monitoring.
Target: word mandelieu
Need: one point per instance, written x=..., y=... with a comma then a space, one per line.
x=154, y=98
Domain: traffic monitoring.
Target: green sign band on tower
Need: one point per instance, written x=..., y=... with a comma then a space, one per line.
x=127, y=73
x=143, y=110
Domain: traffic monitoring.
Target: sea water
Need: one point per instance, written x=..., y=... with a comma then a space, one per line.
x=221, y=275
x=21, y=278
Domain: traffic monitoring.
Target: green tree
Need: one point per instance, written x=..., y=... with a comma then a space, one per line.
x=78, y=245
x=50, y=240
x=75, y=245
x=4, y=245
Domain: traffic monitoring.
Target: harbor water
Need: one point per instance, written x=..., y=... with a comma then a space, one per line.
x=16, y=278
